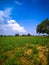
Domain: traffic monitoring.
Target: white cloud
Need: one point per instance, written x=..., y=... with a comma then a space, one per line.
x=11, y=21
x=1, y=19
x=15, y=26
x=17, y=2
x=11, y=26
x=1, y=16
x=1, y=13
x=5, y=14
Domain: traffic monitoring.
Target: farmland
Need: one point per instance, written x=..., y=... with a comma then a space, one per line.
x=24, y=50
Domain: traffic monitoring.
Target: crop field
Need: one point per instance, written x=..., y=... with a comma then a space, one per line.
x=24, y=50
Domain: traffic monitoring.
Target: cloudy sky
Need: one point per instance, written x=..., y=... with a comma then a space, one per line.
x=22, y=16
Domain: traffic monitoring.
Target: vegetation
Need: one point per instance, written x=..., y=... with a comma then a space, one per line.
x=16, y=34
x=24, y=50
x=43, y=27
x=28, y=34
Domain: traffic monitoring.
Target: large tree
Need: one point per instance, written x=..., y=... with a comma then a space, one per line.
x=43, y=27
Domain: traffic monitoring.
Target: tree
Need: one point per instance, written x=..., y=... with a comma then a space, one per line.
x=16, y=34
x=28, y=34
x=1, y=35
x=43, y=27
x=23, y=35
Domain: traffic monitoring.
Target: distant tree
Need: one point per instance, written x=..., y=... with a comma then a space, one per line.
x=28, y=34
x=4, y=35
x=23, y=35
x=43, y=27
x=16, y=34
x=1, y=35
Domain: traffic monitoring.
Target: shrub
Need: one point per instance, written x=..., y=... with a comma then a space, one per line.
x=16, y=34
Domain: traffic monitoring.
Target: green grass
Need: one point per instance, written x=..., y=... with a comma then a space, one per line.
x=14, y=48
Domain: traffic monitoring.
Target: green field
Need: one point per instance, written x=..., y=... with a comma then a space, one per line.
x=24, y=50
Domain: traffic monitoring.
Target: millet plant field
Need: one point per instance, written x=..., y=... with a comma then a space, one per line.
x=24, y=50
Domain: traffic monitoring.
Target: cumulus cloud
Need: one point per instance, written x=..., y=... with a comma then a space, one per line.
x=1, y=16
x=17, y=2
x=15, y=26
x=11, y=21
x=5, y=14
x=11, y=25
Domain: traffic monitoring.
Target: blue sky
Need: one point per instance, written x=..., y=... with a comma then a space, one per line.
x=22, y=16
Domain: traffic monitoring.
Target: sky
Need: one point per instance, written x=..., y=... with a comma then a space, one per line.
x=22, y=16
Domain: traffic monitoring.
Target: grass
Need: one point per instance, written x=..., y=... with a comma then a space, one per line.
x=24, y=50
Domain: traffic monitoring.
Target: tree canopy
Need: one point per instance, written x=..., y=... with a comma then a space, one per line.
x=16, y=34
x=43, y=27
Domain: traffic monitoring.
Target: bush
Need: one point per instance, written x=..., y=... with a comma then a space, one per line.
x=23, y=35
x=16, y=34
x=28, y=34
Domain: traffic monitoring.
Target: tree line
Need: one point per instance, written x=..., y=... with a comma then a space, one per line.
x=17, y=35
x=43, y=27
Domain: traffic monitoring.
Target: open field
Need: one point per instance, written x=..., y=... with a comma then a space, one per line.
x=24, y=50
